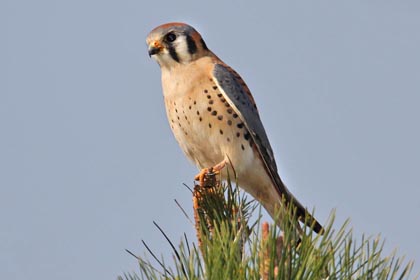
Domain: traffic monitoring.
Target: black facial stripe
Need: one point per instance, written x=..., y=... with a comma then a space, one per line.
x=192, y=47
x=203, y=44
x=173, y=53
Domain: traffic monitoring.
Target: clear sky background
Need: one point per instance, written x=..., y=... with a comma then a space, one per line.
x=87, y=159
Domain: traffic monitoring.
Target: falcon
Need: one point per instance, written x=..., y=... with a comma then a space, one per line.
x=215, y=120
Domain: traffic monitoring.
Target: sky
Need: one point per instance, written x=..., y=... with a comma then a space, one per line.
x=87, y=158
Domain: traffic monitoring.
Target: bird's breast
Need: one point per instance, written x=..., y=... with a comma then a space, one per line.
x=206, y=127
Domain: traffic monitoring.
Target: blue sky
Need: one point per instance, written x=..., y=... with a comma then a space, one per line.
x=87, y=159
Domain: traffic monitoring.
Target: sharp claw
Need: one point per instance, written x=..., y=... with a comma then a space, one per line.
x=206, y=174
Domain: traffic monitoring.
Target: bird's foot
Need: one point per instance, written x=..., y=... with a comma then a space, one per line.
x=207, y=176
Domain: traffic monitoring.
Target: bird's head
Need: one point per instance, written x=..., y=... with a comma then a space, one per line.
x=175, y=43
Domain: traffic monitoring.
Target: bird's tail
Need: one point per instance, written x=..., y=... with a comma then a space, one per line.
x=296, y=209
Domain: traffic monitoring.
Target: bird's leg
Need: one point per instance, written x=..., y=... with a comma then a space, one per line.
x=202, y=177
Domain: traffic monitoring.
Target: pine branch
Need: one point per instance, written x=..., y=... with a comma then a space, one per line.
x=230, y=248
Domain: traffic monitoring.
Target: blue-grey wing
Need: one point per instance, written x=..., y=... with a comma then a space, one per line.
x=240, y=99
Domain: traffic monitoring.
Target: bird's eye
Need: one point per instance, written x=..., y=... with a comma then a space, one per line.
x=170, y=37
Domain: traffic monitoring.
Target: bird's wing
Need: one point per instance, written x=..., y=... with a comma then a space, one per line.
x=240, y=99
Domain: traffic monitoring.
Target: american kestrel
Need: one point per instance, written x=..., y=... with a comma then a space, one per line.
x=214, y=117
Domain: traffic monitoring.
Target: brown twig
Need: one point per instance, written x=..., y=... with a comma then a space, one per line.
x=266, y=255
x=202, y=191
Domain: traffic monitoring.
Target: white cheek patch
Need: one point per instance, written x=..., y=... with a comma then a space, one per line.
x=181, y=48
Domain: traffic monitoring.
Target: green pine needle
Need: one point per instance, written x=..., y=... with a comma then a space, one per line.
x=231, y=248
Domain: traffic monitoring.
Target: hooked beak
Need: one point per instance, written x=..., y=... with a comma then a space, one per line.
x=155, y=48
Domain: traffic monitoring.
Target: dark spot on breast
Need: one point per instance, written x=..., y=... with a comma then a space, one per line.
x=229, y=122
x=189, y=107
x=214, y=87
x=219, y=95
x=206, y=91
x=208, y=96
x=209, y=125
x=221, y=131
x=198, y=113
x=227, y=104
x=222, y=99
x=238, y=134
x=209, y=109
x=186, y=118
x=195, y=102
x=172, y=120
x=211, y=101
x=247, y=136
x=230, y=111
x=214, y=113
x=176, y=110
x=240, y=125
x=228, y=139
x=200, y=118
x=177, y=117
x=220, y=117
x=235, y=115
x=242, y=147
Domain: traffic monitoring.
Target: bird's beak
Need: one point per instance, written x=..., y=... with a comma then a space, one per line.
x=155, y=48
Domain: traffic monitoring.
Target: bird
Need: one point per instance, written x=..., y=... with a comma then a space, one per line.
x=215, y=120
